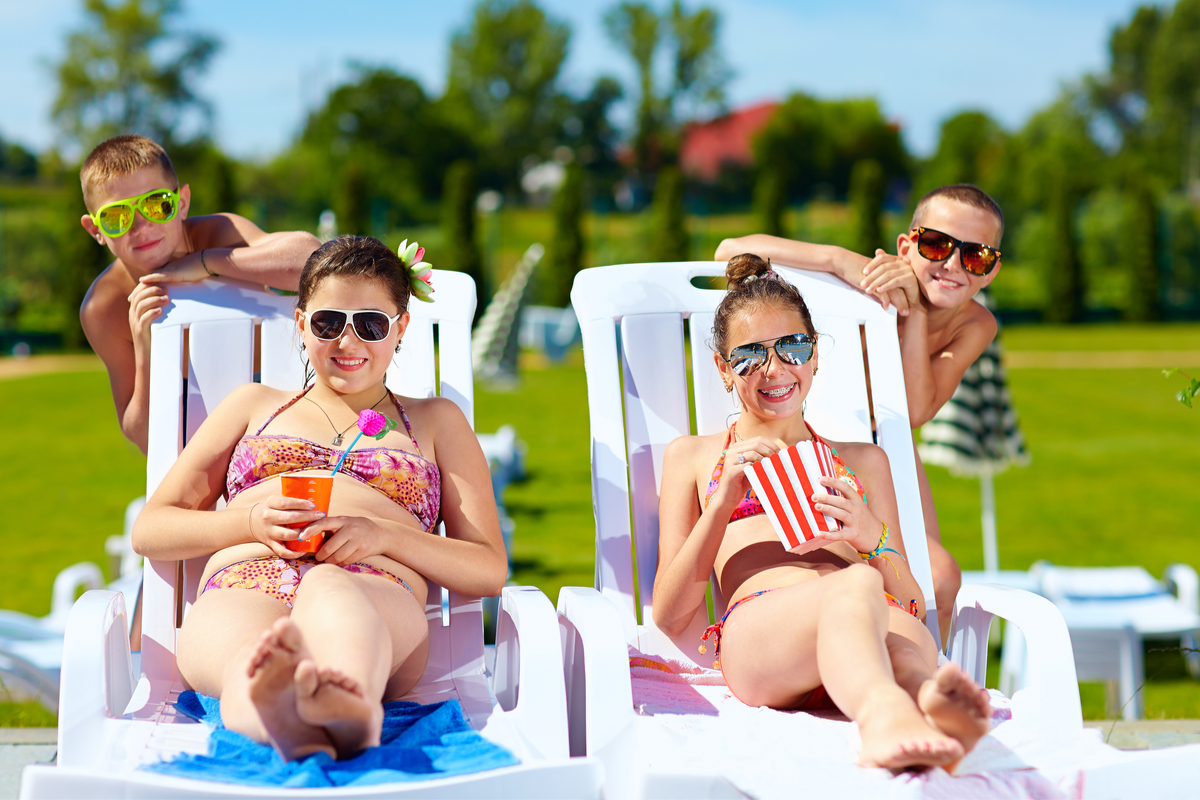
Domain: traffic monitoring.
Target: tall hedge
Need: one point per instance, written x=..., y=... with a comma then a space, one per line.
x=458, y=228
x=1142, y=255
x=769, y=202
x=568, y=246
x=1065, y=278
x=866, y=203
x=668, y=232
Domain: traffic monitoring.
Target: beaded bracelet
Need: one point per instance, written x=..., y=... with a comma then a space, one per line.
x=211, y=274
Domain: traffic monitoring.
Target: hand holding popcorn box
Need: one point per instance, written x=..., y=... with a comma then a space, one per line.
x=784, y=482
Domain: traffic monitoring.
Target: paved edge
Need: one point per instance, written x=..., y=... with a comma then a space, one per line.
x=28, y=735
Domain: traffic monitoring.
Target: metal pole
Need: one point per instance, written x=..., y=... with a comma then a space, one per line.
x=987, y=496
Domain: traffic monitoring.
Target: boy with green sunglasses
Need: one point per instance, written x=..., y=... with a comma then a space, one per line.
x=140, y=211
x=949, y=253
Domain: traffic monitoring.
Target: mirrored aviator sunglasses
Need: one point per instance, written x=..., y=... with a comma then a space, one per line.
x=976, y=258
x=115, y=219
x=795, y=349
x=328, y=324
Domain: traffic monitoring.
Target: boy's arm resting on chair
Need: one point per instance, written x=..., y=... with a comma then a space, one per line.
x=234, y=247
x=851, y=267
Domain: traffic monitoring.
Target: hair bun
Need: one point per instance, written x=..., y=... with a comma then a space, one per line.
x=744, y=267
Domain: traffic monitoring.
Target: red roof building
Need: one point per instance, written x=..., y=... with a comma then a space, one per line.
x=724, y=140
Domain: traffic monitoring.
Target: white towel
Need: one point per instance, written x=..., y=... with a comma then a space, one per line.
x=691, y=723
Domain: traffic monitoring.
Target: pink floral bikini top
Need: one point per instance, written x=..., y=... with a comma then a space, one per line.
x=407, y=478
x=750, y=505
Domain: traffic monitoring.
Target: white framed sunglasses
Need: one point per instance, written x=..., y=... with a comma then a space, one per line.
x=328, y=324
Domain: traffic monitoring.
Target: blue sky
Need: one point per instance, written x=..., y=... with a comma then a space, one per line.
x=923, y=60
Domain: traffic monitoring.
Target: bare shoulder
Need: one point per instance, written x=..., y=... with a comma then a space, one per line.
x=865, y=459
x=694, y=453
x=107, y=298
x=432, y=416
x=256, y=401
x=221, y=230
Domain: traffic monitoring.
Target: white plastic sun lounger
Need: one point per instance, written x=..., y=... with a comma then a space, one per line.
x=636, y=355
x=111, y=720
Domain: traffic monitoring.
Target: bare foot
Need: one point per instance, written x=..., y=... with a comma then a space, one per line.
x=895, y=735
x=956, y=705
x=272, y=671
x=333, y=700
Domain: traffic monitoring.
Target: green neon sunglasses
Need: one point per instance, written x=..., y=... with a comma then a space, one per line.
x=159, y=205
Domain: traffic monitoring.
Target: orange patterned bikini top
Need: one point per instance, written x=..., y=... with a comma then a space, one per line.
x=407, y=478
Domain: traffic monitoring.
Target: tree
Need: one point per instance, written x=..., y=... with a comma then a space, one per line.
x=1065, y=274
x=503, y=79
x=970, y=150
x=815, y=143
x=1142, y=255
x=458, y=228
x=353, y=204
x=113, y=81
x=568, y=246
x=699, y=74
x=866, y=200
x=668, y=222
x=390, y=114
x=769, y=202
x=593, y=138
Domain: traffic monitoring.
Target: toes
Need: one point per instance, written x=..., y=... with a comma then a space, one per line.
x=307, y=678
x=288, y=634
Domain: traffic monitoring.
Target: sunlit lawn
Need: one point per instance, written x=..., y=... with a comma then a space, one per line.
x=1112, y=480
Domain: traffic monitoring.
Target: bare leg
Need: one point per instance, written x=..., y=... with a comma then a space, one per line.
x=238, y=645
x=951, y=701
x=832, y=630
x=947, y=577
x=361, y=629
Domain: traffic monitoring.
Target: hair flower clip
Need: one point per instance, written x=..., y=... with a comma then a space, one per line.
x=419, y=272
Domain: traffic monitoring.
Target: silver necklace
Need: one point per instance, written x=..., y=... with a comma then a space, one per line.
x=337, y=438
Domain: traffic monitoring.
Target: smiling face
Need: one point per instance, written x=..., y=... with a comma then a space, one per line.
x=147, y=245
x=777, y=389
x=348, y=365
x=945, y=283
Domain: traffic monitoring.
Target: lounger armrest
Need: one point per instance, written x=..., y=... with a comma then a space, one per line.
x=528, y=679
x=96, y=681
x=1186, y=585
x=596, y=660
x=1050, y=700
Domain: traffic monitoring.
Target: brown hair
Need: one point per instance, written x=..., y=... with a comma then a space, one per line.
x=752, y=285
x=121, y=155
x=965, y=193
x=355, y=257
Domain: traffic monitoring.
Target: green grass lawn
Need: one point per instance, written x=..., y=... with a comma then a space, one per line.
x=1112, y=480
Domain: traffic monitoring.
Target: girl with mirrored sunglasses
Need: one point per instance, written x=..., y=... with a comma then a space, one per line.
x=835, y=627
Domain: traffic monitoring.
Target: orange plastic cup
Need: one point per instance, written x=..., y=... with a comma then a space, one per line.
x=316, y=489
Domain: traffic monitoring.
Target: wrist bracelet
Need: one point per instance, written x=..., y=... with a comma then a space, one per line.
x=211, y=274
x=880, y=549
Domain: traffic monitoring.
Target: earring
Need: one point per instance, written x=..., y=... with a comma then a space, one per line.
x=814, y=372
x=728, y=386
x=398, y=345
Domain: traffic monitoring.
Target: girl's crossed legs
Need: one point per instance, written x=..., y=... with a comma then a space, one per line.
x=878, y=664
x=312, y=679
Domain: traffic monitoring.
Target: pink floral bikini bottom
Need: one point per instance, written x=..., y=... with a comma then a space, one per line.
x=280, y=577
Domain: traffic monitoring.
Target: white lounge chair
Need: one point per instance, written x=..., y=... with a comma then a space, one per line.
x=633, y=322
x=111, y=720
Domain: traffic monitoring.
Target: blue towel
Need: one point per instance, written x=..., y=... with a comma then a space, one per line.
x=419, y=742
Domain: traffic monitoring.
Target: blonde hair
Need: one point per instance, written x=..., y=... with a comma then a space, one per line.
x=118, y=156
x=965, y=193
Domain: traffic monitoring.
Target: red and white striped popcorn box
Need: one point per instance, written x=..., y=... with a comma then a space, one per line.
x=784, y=482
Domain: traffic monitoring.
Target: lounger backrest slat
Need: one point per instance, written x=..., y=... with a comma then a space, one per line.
x=413, y=372
x=837, y=404
x=610, y=467
x=656, y=413
x=715, y=407
x=282, y=363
